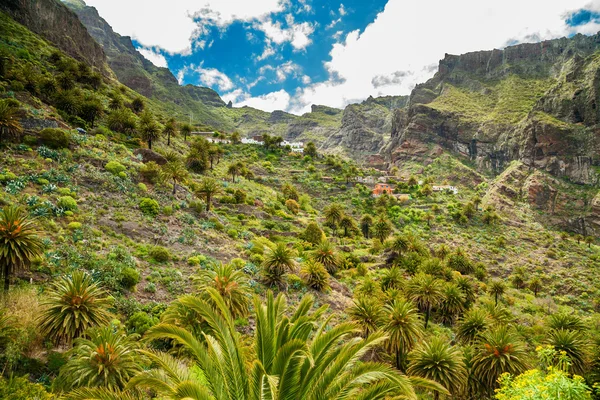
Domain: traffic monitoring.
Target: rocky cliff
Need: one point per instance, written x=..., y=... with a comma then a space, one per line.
x=532, y=102
x=56, y=23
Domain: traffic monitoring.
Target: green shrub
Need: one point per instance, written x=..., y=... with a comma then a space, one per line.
x=114, y=167
x=74, y=226
x=142, y=187
x=232, y=233
x=19, y=388
x=293, y=206
x=149, y=206
x=9, y=176
x=129, y=277
x=160, y=254
x=150, y=172
x=122, y=175
x=140, y=322
x=67, y=202
x=167, y=210
x=237, y=263
x=196, y=260
x=240, y=196
x=55, y=138
x=64, y=192
x=150, y=287
x=30, y=140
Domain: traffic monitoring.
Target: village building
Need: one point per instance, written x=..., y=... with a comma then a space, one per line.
x=382, y=188
x=442, y=188
x=369, y=180
x=252, y=141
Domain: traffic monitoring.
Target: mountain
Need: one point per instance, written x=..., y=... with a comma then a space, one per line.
x=535, y=103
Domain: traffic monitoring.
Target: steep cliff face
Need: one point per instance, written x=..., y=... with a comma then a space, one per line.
x=56, y=23
x=532, y=102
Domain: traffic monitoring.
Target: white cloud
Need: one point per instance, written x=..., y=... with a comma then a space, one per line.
x=372, y=63
x=154, y=57
x=279, y=100
x=306, y=79
x=297, y=34
x=213, y=77
x=343, y=10
x=235, y=96
x=170, y=25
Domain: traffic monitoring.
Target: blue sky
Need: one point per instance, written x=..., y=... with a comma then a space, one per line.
x=289, y=54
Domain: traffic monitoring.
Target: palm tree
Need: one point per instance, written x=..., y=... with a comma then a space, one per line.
x=366, y=312
x=472, y=325
x=175, y=171
x=440, y=362
x=400, y=244
x=382, y=229
x=535, y=285
x=589, y=240
x=365, y=225
x=230, y=283
x=186, y=129
x=459, y=261
x=148, y=128
x=106, y=358
x=333, y=215
x=497, y=289
x=277, y=262
x=9, y=121
x=498, y=351
x=295, y=358
x=170, y=129
x=402, y=325
x=325, y=254
x=453, y=303
x=235, y=169
x=566, y=321
x=207, y=189
x=429, y=217
x=426, y=292
x=347, y=224
x=575, y=346
x=315, y=275
x=392, y=278
x=465, y=284
x=19, y=241
x=101, y=393
x=73, y=305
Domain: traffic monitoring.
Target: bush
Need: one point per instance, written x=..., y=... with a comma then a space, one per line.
x=55, y=138
x=196, y=260
x=160, y=254
x=293, y=206
x=140, y=322
x=74, y=226
x=114, y=167
x=240, y=196
x=67, y=203
x=312, y=234
x=129, y=277
x=150, y=172
x=315, y=275
x=142, y=187
x=167, y=210
x=149, y=207
x=19, y=388
x=232, y=233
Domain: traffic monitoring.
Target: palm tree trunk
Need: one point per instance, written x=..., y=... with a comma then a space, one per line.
x=169, y=139
x=496, y=298
x=5, y=271
x=208, y=202
x=150, y=144
x=427, y=313
x=174, y=187
x=398, y=361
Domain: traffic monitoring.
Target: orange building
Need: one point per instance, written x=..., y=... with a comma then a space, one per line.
x=382, y=188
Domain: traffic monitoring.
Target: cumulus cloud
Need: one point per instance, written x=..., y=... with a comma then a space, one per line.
x=297, y=34
x=175, y=25
x=235, y=96
x=154, y=57
x=269, y=102
x=213, y=77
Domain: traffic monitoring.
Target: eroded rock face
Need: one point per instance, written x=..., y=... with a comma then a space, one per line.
x=55, y=22
x=148, y=155
x=536, y=103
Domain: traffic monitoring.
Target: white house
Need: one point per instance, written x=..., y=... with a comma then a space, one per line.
x=297, y=147
x=366, y=179
x=452, y=189
x=252, y=141
x=218, y=140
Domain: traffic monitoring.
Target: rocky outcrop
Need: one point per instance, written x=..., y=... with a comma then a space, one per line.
x=59, y=25
x=536, y=103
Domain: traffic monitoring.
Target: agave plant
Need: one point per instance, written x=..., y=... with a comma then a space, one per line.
x=19, y=241
x=440, y=362
x=73, y=305
x=107, y=358
x=231, y=284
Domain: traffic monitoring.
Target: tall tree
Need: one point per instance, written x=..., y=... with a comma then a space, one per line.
x=366, y=312
x=402, y=325
x=174, y=171
x=382, y=229
x=186, y=129
x=148, y=128
x=277, y=262
x=426, y=292
x=19, y=241
x=169, y=129
x=207, y=189
x=365, y=225
x=497, y=289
